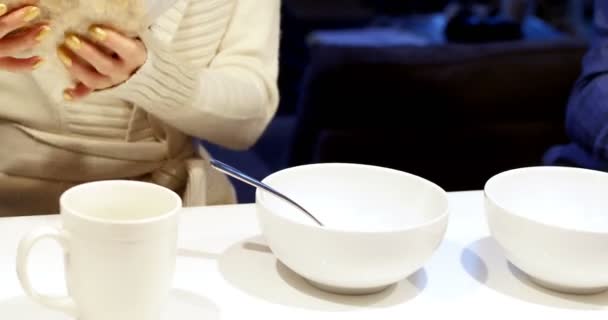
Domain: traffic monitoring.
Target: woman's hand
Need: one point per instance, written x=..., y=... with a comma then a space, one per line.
x=17, y=35
x=102, y=60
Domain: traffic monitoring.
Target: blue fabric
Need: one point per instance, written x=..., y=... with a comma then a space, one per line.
x=587, y=111
x=573, y=155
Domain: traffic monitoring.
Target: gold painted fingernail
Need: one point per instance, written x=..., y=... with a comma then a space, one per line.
x=43, y=33
x=67, y=96
x=63, y=56
x=73, y=42
x=31, y=13
x=38, y=64
x=98, y=33
x=3, y=9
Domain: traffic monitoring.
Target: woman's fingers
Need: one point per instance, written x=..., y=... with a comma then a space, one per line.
x=78, y=92
x=17, y=43
x=17, y=36
x=19, y=65
x=131, y=51
x=82, y=71
x=17, y=19
x=99, y=59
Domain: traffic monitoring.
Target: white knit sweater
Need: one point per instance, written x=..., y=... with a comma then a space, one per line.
x=211, y=74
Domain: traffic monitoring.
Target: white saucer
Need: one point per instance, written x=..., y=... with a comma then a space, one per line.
x=182, y=305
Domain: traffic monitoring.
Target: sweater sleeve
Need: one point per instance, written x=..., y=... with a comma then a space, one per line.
x=587, y=115
x=228, y=99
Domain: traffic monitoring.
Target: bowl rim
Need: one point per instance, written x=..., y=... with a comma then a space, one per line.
x=497, y=176
x=441, y=216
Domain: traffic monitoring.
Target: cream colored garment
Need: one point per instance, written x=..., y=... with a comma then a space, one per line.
x=211, y=74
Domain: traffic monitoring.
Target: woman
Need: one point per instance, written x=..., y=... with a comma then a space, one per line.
x=205, y=69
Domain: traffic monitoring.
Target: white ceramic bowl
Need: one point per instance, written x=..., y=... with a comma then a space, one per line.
x=381, y=225
x=552, y=223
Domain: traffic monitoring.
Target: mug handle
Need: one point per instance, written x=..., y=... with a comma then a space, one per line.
x=64, y=304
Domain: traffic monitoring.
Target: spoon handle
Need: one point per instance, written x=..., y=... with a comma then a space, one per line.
x=237, y=174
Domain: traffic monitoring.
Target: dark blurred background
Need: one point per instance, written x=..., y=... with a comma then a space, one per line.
x=453, y=91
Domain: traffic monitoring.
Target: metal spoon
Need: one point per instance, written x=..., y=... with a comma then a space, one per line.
x=222, y=167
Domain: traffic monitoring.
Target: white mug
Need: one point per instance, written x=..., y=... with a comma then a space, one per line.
x=120, y=240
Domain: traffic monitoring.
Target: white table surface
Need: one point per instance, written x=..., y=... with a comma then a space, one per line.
x=225, y=271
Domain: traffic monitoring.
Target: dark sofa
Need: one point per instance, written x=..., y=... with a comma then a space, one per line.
x=470, y=110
